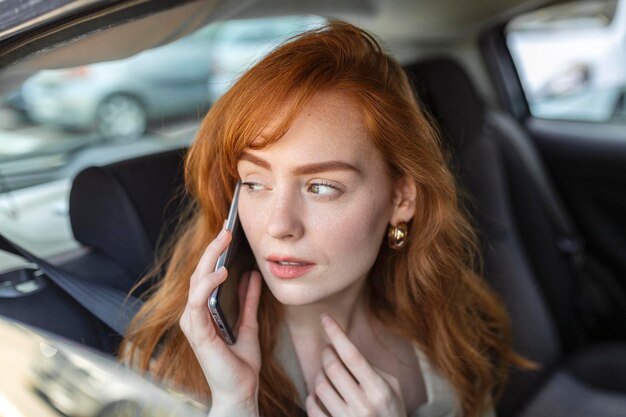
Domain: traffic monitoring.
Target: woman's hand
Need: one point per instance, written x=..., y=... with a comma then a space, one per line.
x=348, y=385
x=232, y=371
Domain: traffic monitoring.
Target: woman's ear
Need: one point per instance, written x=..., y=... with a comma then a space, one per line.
x=404, y=200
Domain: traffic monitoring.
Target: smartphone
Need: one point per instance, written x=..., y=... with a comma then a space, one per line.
x=237, y=258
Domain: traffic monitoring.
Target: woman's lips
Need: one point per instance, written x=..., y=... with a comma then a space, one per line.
x=288, y=269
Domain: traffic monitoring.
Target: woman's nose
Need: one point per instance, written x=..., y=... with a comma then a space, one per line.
x=285, y=220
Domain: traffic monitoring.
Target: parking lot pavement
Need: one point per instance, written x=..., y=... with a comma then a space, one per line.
x=35, y=154
x=37, y=139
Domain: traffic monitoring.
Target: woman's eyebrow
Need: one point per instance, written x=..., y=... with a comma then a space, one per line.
x=255, y=160
x=317, y=167
x=312, y=168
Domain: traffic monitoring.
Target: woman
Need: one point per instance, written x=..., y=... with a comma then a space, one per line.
x=365, y=301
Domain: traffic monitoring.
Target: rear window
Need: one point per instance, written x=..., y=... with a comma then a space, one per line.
x=60, y=121
x=571, y=60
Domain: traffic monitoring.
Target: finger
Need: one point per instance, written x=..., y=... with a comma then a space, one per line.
x=391, y=380
x=249, y=323
x=313, y=409
x=340, y=377
x=328, y=396
x=198, y=324
x=209, y=257
x=354, y=361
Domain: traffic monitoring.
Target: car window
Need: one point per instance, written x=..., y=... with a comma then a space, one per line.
x=571, y=60
x=57, y=122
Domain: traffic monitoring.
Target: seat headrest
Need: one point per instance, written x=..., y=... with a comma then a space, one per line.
x=121, y=209
x=448, y=94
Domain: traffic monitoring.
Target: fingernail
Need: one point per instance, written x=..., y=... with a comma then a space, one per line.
x=326, y=320
x=221, y=235
x=221, y=270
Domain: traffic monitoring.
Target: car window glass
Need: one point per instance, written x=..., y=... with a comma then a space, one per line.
x=58, y=122
x=571, y=60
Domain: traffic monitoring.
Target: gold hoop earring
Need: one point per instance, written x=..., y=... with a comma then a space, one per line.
x=397, y=235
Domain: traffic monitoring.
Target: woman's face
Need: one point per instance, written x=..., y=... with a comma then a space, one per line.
x=316, y=204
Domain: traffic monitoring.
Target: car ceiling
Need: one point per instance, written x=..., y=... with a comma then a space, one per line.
x=401, y=22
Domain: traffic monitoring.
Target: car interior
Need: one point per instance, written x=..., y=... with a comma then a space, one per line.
x=546, y=196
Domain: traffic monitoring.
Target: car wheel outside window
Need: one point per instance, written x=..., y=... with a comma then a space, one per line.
x=121, y=117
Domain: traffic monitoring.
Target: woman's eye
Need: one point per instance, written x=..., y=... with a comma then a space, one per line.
x=252, y=186
x=323, y=190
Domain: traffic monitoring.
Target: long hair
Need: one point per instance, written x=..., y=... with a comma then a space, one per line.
x=429, y=292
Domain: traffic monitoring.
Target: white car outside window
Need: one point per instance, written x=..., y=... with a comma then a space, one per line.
x=571, y=59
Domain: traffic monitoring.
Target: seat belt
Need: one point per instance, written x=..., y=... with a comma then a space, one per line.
x=113, y=307
x=569, y=241
x=599, y=293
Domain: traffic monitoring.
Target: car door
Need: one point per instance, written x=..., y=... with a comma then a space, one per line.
x=561, y=71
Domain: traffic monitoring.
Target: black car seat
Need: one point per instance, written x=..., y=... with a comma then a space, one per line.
x=521, y=260
x=124, y=210
x=119, y=213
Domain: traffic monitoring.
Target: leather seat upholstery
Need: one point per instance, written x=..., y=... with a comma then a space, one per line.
x=122, y=210
x=120, y=213
x=520, y=260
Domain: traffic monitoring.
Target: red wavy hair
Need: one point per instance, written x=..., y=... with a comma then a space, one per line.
x=430, y=292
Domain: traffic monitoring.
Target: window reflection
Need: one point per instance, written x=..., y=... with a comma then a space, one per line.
x=60, y=121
